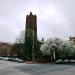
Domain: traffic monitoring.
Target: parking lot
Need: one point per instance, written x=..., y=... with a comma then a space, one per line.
x=14, y=68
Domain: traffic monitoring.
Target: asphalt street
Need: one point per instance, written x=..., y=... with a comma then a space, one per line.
x=12, y=68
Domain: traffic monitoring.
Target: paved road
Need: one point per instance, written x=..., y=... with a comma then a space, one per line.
x=11, y=68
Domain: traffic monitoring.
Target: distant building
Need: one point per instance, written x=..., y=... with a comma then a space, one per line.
x=72, y=39
x=5, y=49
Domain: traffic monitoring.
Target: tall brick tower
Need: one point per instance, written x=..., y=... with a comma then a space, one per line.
x=31, y=23
x=30, y=38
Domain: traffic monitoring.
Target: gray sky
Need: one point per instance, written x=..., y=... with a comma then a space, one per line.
x=55, y=18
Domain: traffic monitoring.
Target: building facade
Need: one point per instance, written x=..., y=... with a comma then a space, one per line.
x=5, y=49
x=72, y=39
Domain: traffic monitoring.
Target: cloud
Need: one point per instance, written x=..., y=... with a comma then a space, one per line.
x=55, y=18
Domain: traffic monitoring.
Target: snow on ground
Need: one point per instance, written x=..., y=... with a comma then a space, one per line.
x=7, y=64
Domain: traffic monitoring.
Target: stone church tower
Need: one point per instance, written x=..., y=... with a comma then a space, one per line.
x=31, y=23
x=30, y=38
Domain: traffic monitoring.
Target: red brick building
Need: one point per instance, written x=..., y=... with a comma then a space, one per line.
x=5, y=49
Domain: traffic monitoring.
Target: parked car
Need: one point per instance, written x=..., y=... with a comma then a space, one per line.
x=1, y=58
x=18, y=60
x=11, y=59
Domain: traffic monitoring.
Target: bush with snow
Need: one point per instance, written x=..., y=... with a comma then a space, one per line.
x=59, y=49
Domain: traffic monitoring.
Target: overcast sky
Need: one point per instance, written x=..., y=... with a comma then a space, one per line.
x=55, y=18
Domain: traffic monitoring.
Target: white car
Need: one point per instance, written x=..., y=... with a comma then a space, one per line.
x=18, y=60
